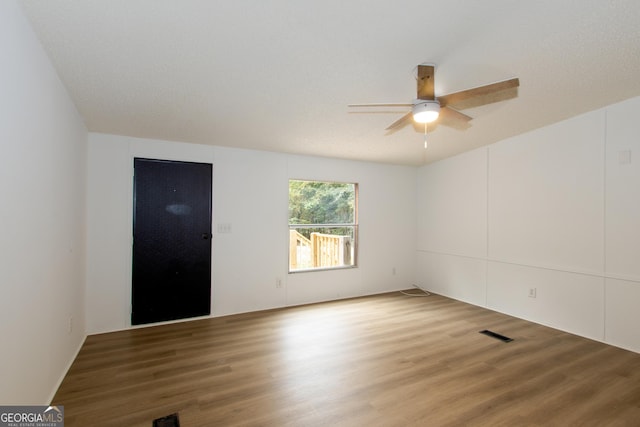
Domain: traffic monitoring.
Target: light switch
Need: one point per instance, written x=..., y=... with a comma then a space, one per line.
x=224, y=228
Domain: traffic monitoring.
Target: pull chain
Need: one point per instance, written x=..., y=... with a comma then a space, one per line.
x=425, y=136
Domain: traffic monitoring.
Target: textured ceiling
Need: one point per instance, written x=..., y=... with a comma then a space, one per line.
x=277, y=75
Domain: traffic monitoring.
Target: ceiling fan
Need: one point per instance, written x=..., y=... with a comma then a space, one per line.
x=427, y=108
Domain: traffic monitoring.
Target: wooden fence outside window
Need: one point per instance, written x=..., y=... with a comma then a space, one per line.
x=319, y=251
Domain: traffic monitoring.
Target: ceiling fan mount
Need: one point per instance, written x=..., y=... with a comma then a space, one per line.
x=429, y=108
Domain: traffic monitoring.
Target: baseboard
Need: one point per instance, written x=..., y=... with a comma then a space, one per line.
x=66, y=370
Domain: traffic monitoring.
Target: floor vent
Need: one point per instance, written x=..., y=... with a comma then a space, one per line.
x=168, y=421
x=496, y=336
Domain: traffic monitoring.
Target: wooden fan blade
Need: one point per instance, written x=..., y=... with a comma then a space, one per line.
x=485, y=92
x=425, y=81
x=401, y=122
x=379, y=105
x=452, y=114
x=453, y=118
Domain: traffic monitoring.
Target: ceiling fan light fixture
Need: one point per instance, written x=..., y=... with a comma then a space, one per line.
x=426, y=111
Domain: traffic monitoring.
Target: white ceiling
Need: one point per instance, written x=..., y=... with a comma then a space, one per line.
x=277, y=75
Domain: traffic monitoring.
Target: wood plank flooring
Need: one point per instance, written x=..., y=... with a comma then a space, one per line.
x=384, y=360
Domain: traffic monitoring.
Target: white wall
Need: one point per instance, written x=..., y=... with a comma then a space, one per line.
x=556, y=209
x=622, y=221
x=250, y=192
x=42, y=188
x=451, y=230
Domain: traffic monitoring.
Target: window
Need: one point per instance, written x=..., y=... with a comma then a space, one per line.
x=323, y=225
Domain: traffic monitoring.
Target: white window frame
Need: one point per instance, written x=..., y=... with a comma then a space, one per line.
x=353, y=241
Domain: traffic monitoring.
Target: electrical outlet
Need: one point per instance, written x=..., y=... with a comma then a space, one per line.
x=393, y=271
x=624, y=157
x=70, y=329
x=278, y=283
x=532, y=292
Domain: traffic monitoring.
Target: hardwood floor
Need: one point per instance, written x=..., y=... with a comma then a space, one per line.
x=385, y=360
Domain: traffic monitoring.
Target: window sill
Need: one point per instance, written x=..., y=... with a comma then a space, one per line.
x=312, y=270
